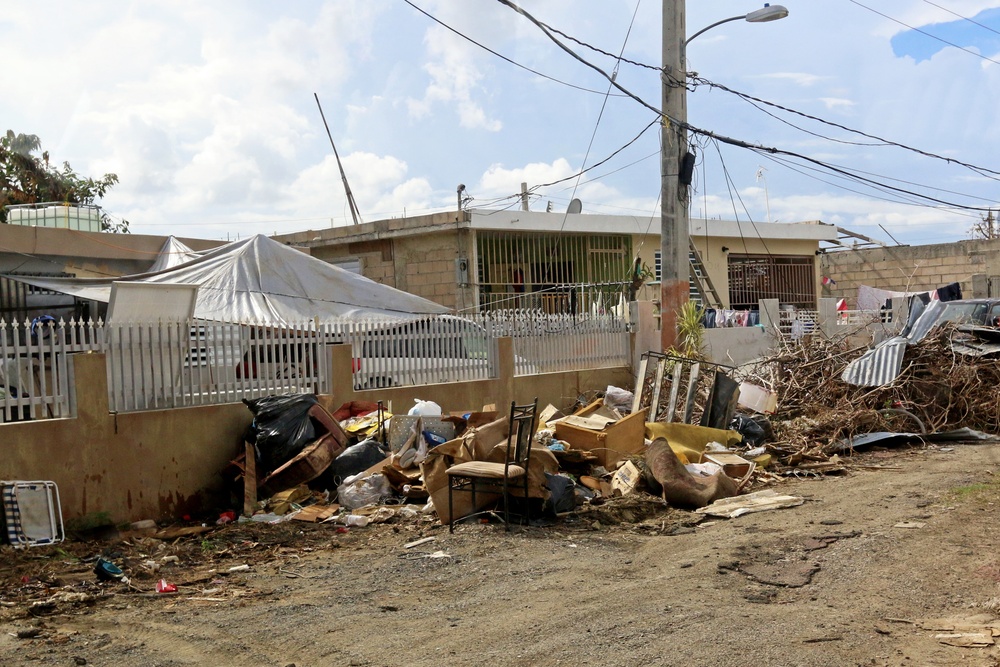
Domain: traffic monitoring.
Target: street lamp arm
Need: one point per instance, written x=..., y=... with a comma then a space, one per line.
x=709, y=27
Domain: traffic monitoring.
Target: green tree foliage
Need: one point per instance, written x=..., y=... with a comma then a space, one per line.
x=28, y=178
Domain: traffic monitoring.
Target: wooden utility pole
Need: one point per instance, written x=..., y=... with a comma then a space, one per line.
x=674, y=285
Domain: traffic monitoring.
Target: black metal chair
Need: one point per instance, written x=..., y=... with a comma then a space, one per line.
x=495, y=477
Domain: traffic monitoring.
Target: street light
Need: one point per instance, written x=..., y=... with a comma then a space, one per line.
x=763, y=15
x=674, y=225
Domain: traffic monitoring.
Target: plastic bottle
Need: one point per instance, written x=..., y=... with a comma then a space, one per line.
x=354, y=520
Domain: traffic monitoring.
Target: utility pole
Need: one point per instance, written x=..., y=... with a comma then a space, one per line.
x=674, y=226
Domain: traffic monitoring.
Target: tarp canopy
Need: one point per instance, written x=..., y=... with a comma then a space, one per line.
x=173, y=253
x=259, y=280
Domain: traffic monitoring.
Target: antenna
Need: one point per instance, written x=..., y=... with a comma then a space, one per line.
x=574, y=207
x=343, y=176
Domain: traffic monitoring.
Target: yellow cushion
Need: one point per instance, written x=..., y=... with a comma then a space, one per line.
x=484, y=469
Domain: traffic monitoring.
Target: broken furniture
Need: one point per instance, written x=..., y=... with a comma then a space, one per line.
x=479, y=476
x=671, y=386
x=604, y=433
x=32, y=514
x=292, y=441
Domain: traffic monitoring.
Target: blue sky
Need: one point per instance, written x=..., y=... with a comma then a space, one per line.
x=206, y=110
x=980, y=33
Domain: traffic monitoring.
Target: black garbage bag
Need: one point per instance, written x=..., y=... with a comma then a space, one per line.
x=755, y=430
x=356, y=458
x=562, y=497
x=281, y=427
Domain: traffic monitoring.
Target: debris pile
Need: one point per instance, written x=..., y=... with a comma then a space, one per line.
x=937, y=391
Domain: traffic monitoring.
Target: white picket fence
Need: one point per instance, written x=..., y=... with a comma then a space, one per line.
x=35, y=378
x=162, y=365
x=552, y=343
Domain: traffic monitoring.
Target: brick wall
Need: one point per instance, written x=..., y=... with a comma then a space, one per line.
x=913, y=268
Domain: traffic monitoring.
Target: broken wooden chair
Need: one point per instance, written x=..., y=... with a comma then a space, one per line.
x=495, y=477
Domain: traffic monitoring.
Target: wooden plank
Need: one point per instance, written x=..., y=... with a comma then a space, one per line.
x=654, y=402
x=692, y=391
x=250, y=481
x=675, y=388
x=640, y=384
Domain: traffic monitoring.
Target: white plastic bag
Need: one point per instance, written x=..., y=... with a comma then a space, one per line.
x=359, y=491
x=619, y=399
x=425, y=408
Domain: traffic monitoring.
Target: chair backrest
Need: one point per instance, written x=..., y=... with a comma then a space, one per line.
x=522, y=430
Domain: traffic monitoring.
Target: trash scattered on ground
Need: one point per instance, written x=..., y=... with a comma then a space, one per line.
x=759, y=501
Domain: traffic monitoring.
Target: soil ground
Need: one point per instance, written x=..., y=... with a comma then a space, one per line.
x=862, y=573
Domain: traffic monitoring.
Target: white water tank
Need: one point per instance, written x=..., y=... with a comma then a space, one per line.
x=81, y=218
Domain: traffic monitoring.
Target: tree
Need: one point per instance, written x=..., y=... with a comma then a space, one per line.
x=988, y=228
x=27, y=178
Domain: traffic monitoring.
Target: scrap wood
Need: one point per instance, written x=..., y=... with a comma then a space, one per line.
x=937, y=390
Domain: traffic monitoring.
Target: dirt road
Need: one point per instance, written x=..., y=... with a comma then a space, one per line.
x=871, y=570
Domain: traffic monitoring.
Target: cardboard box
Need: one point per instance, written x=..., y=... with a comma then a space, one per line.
x=609, y=438
x=625, y=479
x=733, y=465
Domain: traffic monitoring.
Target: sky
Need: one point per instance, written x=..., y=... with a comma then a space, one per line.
x=207, y=111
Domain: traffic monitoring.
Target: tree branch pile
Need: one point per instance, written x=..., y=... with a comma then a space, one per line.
x=937, y=390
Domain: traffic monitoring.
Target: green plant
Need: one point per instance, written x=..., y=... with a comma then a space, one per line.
x=977, y=493
x=690, y=332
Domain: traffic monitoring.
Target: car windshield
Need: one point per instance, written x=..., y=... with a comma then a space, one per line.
x=958, y=311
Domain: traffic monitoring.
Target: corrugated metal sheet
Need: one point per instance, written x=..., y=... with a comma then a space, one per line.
x=878, y=366
x=882, y=364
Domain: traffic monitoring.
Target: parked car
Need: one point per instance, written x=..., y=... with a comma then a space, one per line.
x=980, y=312
x=429, y=351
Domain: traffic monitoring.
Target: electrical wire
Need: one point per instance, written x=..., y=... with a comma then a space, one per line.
x=503, y=57
x=756, y=147
x=982, y=171
x=925, y=33
x=600, y=115
x=732, y=187
x=597, y=164
x=964, y=18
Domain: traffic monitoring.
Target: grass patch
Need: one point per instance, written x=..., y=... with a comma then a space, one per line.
x=979, y=492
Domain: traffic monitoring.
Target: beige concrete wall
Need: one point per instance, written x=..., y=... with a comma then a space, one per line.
x=911, y=268
x=737, y=345
x=85, y=254
x=166, y=463
x=560, y=389
x=717, y=260
x=416, y=255
x=149, y=465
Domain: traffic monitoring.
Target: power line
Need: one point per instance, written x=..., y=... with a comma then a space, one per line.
x=982, y=171
x=500, y=55
x=964, y=18
x=925, y=33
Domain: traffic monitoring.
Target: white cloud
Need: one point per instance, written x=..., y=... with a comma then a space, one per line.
x=797, y=78
x=836, y=103
x=455, y=77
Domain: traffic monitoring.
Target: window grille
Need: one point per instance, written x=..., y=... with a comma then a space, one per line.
x=790, y=279
x=553, y=273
